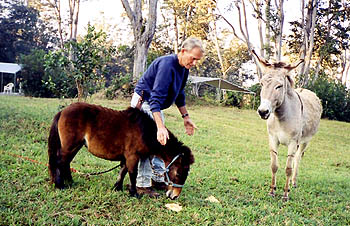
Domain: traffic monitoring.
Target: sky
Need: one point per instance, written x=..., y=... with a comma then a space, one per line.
x=292, y=12
x=111, y=11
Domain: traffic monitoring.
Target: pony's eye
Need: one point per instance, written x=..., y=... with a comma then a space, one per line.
x=280, y=86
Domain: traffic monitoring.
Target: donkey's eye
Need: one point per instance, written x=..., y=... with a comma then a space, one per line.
x=280, y=86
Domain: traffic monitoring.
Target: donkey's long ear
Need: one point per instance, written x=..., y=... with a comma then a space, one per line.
x=290, y=67
x=262, y=63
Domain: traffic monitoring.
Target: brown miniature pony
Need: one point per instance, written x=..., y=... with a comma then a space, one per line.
x=124, y=136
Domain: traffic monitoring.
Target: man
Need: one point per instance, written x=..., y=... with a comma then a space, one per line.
x=160, y=86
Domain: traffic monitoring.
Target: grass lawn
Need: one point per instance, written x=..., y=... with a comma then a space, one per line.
x=232, y=163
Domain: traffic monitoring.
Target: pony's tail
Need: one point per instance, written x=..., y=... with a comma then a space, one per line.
x=54, y=146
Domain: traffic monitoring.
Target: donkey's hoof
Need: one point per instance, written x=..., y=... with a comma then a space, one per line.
x=285, y=198
x=272, y=194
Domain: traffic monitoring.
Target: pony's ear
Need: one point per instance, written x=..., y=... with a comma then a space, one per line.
x=188, y=155
x=290, y=67
x=191, y=158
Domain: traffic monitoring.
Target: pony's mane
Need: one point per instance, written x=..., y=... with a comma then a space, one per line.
x=149, y=134
x=146, y=124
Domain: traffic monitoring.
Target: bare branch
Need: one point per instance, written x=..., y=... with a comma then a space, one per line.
x=129, y=11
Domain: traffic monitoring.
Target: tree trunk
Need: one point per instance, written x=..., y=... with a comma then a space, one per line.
x=346, y=75
x=313, y=9
x=279, y=36
x=143, y=32
x=80, y=90
x=140, y=60
x=73, y=18
x=308, y=43
x=217, y=47
x=56, y=6
x=176, y=44
x=267, y=46
x=261, y=37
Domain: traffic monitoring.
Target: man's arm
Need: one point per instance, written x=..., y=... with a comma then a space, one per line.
x=189, y=125
x=162, y=132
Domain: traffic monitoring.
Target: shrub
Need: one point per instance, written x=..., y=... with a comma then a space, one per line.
x=33, y=74
x=334, y=96
x=120, y=86
x=233, y=99
x=253, y=101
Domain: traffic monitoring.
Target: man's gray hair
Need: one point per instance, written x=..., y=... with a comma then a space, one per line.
x=191, y=43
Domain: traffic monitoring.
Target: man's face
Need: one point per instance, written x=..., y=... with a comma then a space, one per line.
x=191, y=57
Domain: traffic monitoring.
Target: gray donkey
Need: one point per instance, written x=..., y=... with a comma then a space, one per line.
x=292, y=115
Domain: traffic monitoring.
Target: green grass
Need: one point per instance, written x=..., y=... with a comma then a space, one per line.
x=232, y=164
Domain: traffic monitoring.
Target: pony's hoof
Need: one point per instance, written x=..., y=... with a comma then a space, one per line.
x=295, y=185
x=60, y=186
x=135, y=195
x=117, y=187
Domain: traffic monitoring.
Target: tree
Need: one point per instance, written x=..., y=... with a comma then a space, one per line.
x=306, y=46
x=143, y=31
x=33, y=74
x=88, y=67
x=268, y=14
x=186, y=18
x=327, y=45
x=67, y=24
x=21, y=30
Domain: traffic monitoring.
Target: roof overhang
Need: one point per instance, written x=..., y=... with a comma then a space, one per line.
x=10, y=68
x=219, y=83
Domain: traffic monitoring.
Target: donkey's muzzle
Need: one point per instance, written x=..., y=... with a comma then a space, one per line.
x=264, y=113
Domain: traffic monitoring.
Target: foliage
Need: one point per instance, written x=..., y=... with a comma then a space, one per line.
x=33, y=74
x=120, y=86
x=21, y=31
x=189, y=18
x=58, y=81
x=254, y=104
x=83, y=61
x=331, y=34
x=334, y=96
x=232, y=164
x=233, y=99
x=121, y=64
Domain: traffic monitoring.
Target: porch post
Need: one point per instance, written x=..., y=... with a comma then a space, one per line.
x=14, y=82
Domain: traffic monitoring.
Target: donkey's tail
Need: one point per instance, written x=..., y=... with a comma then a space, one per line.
x=54, y=148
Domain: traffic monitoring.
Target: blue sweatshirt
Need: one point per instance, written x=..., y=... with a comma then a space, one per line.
x=163, y=83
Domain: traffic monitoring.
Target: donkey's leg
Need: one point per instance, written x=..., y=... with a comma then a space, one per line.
x=292, y=148
x=131, y=164
x=297, y=159
x=118, y=186
x=273, y=143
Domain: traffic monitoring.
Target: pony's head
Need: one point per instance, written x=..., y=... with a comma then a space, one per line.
x=176, y=155
x=177, y=170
